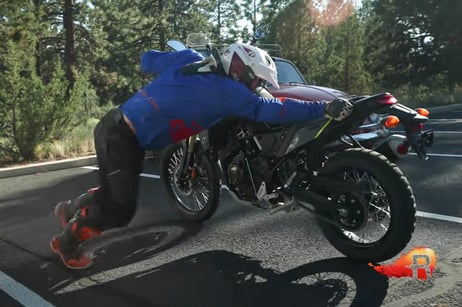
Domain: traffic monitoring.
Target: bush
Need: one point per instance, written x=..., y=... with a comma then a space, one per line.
x=34, y=113
x=77, y=142
x=432, y=92
x=429, y=99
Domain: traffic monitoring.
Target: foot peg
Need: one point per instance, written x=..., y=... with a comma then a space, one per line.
x=289, y=206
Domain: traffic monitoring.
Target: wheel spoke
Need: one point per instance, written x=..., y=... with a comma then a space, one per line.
x=194, y=195
x=378, y=215
x=380, y=209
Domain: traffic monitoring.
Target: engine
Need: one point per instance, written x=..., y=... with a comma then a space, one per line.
x=246, y=175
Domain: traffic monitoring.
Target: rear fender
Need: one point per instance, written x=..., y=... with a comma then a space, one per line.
x=374, y=104
x=361, y=110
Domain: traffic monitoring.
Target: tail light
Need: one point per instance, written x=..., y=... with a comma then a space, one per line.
x=402, y=149
x=391, y=122
x=388, y=99
x=417, y=127
x=423, y=112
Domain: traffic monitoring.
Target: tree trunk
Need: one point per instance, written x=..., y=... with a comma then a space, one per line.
x=162, y=39
x=69, y=51
x=38, y=60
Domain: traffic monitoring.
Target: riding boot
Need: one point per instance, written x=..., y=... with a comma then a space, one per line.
x=82, y=227
x=65, y=210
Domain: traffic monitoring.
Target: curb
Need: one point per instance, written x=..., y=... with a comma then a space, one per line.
x=46, y=166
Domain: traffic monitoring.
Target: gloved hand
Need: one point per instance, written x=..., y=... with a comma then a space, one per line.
x=263, y=92
x=338, y=109
x=207, y=65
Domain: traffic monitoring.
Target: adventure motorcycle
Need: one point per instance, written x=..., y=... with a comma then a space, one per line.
x=375, y=133
x=363, y=203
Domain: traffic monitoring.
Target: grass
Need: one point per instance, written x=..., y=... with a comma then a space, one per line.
x=79, y=142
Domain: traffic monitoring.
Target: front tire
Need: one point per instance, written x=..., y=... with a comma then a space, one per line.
x=389, y=207
x=197, y=198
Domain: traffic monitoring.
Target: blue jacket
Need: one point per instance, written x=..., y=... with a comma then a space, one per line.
x=175, y=106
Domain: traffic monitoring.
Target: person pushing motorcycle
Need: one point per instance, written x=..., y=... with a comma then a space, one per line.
x=191, y=93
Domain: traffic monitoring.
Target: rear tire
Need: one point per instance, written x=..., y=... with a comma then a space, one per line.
x=198, y=201
x=388, y=190
x=385, y=150
x=339, y=282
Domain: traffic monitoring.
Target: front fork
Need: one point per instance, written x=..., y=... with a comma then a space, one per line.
x=187, y=169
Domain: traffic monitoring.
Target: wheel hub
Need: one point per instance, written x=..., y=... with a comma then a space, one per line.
x=183, y=185
x=350, y=211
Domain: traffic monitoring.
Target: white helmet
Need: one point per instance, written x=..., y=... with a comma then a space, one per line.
x=249, y=64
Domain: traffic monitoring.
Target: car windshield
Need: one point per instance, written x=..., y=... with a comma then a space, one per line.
x=288, y=73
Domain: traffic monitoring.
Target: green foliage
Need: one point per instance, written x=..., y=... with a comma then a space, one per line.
x=222, y=14
x=328, y=50
x=123, y=29
x=345, y=58
x=296, y=31
x=63, y=62
x=423, y=40
x=32, y=111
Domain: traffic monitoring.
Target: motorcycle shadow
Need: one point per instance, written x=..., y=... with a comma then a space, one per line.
x=222, y=278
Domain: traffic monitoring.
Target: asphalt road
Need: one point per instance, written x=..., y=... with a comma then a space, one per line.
x=240, y=257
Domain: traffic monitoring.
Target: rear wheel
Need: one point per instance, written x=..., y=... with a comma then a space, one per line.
x=195, y=196
x=377, y=224
x=339, y=282
x=385, y=150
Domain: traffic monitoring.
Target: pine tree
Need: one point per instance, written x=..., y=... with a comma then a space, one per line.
x=36, y=104
x=422, y=41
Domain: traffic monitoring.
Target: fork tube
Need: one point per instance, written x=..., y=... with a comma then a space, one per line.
x=189, y=151
x=191, y=141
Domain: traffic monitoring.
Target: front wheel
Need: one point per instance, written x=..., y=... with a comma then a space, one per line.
x=378, y=224
x=194, y=196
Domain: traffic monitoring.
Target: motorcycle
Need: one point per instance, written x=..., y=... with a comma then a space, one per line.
x=375, y=133
x=362, y=202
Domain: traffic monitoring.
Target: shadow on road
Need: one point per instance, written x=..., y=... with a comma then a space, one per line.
x=221, y=278
x=130, y=269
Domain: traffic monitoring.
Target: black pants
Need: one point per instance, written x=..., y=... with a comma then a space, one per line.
x=120, y=160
